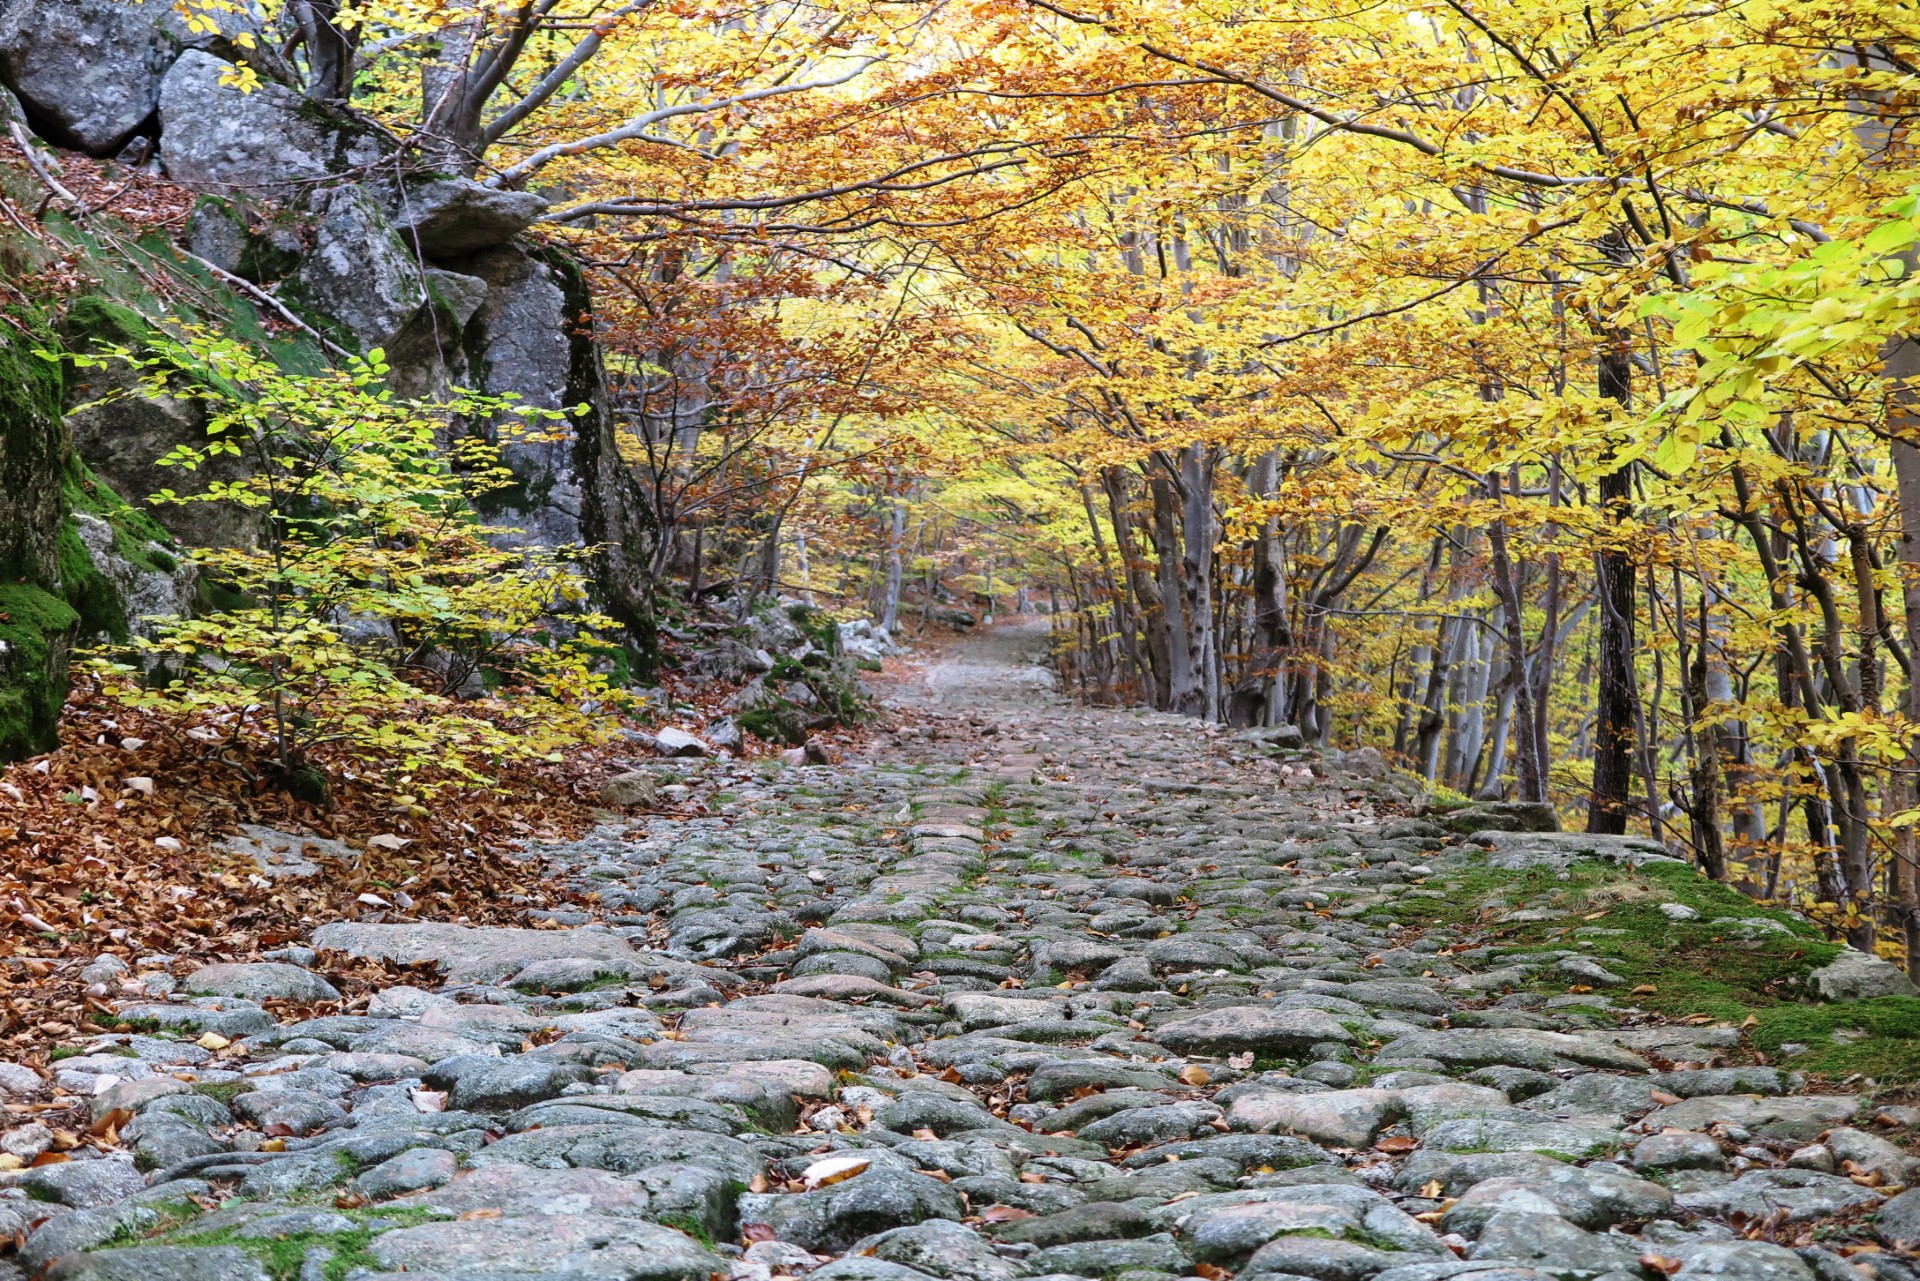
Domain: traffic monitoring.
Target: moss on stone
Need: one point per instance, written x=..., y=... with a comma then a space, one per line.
x=93, y=320
x=36, y=631
x=95, y=601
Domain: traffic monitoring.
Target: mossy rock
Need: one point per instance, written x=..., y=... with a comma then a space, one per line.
x=36, y=638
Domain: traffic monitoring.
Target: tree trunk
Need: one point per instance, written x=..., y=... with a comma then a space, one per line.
x=1613, y=736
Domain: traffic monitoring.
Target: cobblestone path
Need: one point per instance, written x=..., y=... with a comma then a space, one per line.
x=1028, y=990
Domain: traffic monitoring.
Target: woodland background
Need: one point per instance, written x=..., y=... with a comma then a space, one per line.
x=1523, y=390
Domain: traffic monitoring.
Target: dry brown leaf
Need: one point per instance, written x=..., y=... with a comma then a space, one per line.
x=1194, y=1074
x=1005, y=1214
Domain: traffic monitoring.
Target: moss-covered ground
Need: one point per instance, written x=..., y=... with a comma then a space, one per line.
x=1737, y=962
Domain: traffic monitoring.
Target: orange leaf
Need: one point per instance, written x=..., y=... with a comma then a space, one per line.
x=1397, y=1143
x=484, y=1212
x=1194, y=1074
x=110, y=1122
x=1005, y=1214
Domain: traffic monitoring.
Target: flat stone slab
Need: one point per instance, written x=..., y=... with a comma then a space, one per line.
x=1511, y=1047
x=1256, y=1028
x=466, y=954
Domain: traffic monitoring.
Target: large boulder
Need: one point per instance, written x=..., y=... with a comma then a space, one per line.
x=88, y=71
x=455, y=216
x=1858, y=976
x=269, y=141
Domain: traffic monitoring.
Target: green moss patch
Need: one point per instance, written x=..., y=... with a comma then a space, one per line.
x=1879, y=1038
x=284, y=1257
x=36, y=629
x=1722, y=970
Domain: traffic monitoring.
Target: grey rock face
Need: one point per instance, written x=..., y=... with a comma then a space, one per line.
x=1252, y=1028
x=520, y=339
x=270, y=142
x=159, y=586
x=359, y=274
x=123, y=434
x=585, y=1245
x=161, y=1263
x=635, y=787
x=260, y=981
x=88, y=70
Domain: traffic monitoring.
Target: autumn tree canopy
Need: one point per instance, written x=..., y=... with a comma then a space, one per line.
x=1522, y=390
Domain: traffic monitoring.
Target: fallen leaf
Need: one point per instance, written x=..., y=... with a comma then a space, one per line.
x=1431, y=1189
x=142, y=785
x=1397, y=1143
x=111, y=1121
x=212, y=1041
x=1005, y=1214
x=835, y=1169
x=1664, y=1099
x=388, y=841
x=1664, y=1264
x=51, y=1158
x=274, y=1145
x=1646, y=989
x=1211, y=1272
x=1194, y=1074
x=429, y=1100
x=756, y=1232
x=926, y=1134
x=483, y=1212
x=1240, y=1062
x=759, y=1184
x=1032, y=1176
x=1580, y=989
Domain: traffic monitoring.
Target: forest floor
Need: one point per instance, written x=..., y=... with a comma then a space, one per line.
x=1020, y=988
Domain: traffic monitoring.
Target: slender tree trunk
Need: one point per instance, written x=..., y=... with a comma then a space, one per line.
x=1613, y=736
x=1197, y=465
x=1184, y=689
x=1529, y=761
x=896, y=567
